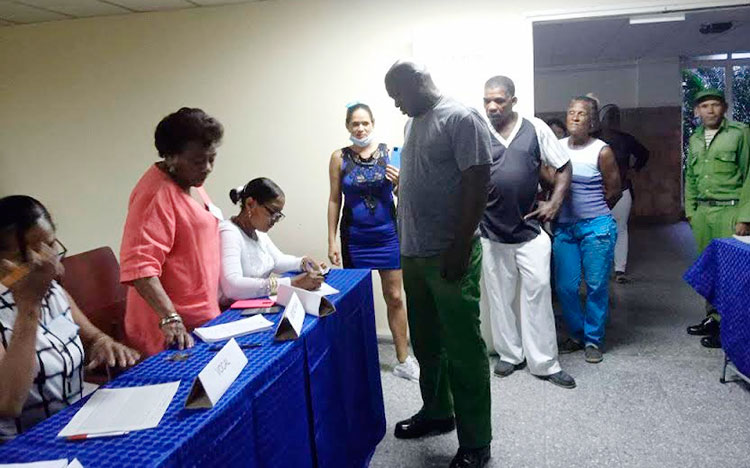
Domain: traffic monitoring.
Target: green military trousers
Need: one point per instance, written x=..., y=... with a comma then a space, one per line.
x=709, y=223
x=447, y=342
x=712, y=222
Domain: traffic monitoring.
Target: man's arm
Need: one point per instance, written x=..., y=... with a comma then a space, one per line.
x=640, y=153
x=742, y=228
x=474, y=182
x=547, y=210
x=691, y=189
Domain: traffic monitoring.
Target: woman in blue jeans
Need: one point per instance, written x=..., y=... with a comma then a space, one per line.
x=586, y=232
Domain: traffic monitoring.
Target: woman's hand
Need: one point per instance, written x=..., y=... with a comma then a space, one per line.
x=176, y=333
x=392, y=174
x=308, y=281
x=42, y=267
x=310, y=265
x=105, y=350
x=334, y=255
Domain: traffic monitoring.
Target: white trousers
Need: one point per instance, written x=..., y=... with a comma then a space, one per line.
x=517, y=281
x=621, y=213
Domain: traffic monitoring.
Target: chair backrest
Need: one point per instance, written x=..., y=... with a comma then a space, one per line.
x=93, y=279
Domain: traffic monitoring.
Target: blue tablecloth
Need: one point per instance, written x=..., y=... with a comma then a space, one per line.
x=313, y=402
x=722, y=275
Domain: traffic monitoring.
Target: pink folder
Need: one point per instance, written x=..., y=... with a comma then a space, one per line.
x=252, y=304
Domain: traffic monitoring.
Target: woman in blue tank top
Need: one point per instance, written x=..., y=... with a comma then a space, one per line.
x=361, y=172
x=586, y=232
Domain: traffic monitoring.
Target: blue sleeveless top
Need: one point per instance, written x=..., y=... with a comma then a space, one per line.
x=586, y=198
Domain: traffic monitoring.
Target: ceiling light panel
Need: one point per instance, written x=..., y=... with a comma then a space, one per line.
x=152, y=5
x=663, y=18
x=18, y=13
x=77, y=8
x=221, y=2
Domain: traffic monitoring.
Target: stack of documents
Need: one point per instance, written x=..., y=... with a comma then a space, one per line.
x=225, y=331
x=117, y=410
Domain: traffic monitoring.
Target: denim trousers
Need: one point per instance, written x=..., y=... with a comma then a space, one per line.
x=585, y=250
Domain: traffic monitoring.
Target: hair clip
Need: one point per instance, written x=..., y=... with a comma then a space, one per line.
x=352, y=104
x=240, y=189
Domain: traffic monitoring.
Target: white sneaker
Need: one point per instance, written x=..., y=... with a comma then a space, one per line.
x=409, y=369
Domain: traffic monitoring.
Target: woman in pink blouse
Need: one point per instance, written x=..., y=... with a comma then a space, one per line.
x=170, y=245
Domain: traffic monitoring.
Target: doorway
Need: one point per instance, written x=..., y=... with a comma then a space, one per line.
x=650, y=70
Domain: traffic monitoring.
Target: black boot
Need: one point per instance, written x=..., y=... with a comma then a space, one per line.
x=709, y=326
x=471, y=458
x=419, y=426
x=712, y=341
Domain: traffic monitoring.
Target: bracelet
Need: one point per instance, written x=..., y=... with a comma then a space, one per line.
x=171, y=318
x=273, y=285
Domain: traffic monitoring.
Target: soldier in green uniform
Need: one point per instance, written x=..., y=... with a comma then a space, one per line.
x=717, y=190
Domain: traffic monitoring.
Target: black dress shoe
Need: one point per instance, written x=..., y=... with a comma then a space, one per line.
x=419, y=426
x=471, y=458
x=708, y=327
x=712, y=341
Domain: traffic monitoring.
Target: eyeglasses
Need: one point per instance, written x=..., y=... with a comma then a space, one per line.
x=276, y=216
x=60, y=248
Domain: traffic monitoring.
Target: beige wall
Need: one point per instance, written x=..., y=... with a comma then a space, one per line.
x=79, y=99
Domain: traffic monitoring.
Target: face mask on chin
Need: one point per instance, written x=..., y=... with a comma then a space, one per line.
x=362, y=143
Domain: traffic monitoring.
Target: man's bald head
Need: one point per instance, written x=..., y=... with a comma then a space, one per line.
x=411, y=87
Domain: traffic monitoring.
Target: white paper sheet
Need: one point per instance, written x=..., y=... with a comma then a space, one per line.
x=75, y=464
x=326, y=290
x=122, y=409
x=61, y=463
x=256, y=323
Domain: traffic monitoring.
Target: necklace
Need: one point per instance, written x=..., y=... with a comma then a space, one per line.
x=250, y=233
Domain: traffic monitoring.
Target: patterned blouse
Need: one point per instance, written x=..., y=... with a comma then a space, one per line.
x=59, y=360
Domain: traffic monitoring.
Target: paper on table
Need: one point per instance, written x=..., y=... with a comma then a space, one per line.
x=325, y=290
x=122, y=409
x=61, y=463
x=225, y=331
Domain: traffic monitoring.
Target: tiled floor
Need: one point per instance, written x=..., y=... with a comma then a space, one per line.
x=655, y=401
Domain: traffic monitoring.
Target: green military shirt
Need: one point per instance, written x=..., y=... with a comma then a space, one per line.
x=721, y=170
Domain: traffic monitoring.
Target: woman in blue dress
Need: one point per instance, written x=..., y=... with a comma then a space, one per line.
x=362, y=173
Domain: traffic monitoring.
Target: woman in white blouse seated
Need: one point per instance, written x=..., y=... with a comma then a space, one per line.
x=43, y=335
x=248, y=256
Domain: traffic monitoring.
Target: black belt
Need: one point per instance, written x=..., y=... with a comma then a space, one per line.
x=718, y=202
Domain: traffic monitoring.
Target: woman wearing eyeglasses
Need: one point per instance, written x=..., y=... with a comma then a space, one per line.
x=44, y=336
x=249, y=257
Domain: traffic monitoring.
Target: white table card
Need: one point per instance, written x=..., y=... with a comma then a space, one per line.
x=216, y=377
x=290, y=324
x=313, y=302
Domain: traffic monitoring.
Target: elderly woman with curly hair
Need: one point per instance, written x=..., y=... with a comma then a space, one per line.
x=170, y=245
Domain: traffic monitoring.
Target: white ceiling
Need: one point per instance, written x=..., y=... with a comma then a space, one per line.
x=615, y=40
x=13, y=12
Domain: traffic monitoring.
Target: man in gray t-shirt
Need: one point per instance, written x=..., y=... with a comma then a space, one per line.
x=445, y=169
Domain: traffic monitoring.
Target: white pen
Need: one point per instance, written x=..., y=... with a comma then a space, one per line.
x=96, y=436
